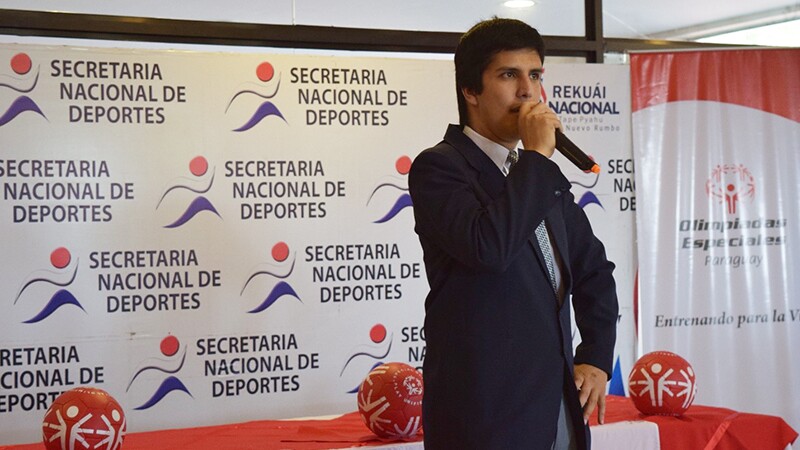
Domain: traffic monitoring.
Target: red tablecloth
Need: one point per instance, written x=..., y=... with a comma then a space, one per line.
x=343, y=432
x=705, y=427
x=702, y=427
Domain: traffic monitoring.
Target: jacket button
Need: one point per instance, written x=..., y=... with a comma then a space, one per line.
x=557, y=193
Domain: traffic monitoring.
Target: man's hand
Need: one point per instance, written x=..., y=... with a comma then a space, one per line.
x=537, y=127
x=591, y=384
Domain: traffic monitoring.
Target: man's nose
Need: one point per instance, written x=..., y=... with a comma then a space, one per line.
x=526, y=89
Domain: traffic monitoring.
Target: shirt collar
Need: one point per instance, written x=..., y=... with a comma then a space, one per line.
x=496, y=152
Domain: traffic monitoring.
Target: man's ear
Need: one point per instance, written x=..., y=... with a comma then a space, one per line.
x=470, y=96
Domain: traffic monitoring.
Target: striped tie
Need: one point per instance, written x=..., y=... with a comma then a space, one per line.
x=511, y=159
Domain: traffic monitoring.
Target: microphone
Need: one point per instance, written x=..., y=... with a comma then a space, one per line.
x=575, y=154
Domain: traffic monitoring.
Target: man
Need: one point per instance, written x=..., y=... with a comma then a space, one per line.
x=499, y=370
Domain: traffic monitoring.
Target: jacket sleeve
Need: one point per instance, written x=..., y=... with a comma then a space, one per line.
x=594, y=296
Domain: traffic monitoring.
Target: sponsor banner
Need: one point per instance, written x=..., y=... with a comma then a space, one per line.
x=593, y=103
x=717, y=160
x=222, y=237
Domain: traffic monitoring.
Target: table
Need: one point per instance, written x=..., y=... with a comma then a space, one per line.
x=702, y=427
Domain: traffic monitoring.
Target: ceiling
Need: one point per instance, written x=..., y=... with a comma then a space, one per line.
x=638, y=19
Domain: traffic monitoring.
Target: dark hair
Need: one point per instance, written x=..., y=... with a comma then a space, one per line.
x=477, y=47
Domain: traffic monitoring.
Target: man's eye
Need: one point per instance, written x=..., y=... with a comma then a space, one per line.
x=508, y=74
x=536, y=76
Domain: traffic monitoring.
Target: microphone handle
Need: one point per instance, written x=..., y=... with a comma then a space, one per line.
x=575, y=154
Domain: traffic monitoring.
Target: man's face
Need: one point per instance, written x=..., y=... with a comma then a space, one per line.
x=511, y=78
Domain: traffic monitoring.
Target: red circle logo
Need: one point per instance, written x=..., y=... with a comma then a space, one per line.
x=377, y=333
x=21, y=63
x=198, y=166
x=265, y=71
x=170, y=345
x=60, y=258
x=280, y=251
x=403, y=165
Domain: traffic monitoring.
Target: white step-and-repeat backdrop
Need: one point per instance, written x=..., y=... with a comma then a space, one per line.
x=220, y=237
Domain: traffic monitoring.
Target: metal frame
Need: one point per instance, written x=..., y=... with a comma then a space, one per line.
x=592, y=46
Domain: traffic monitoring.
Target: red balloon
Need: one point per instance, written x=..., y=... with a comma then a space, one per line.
x=84, y=417
x=390, y=401
x=662, y=383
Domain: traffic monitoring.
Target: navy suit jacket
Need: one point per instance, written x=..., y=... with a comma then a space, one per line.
x=499, y=348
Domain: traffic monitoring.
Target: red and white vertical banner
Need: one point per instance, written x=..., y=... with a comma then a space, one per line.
x=716, y=138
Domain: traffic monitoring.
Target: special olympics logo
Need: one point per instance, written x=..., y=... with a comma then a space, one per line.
x=402, y=165
x=170, y=347
x=731, y=184
x=21, y=65
x=60, y=259
x=280, y=254
x=265, y=73
x=378, y=350
x=412, y=385
x=198, y=185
